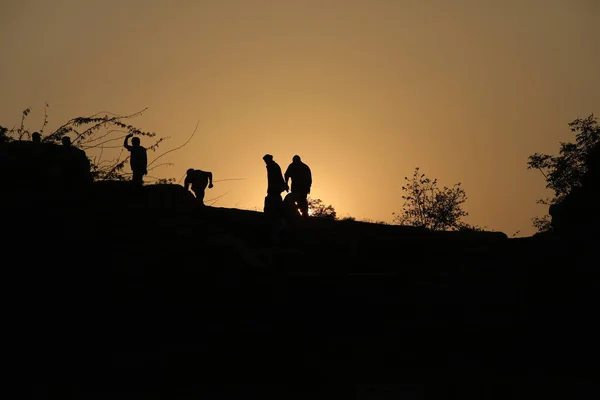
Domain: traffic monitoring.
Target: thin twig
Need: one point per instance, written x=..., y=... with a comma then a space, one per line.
x=101, y=144
x=180, y=179
x=91, y=140
x=119, y=116
x=215, y=199
x=230, y=179
x=160, y=165
x=177, y=148
x=45, y=118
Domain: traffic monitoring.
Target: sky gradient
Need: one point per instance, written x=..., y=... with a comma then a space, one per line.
x=364, y=91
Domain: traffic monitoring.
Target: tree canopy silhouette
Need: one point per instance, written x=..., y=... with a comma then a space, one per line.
x=564, y=172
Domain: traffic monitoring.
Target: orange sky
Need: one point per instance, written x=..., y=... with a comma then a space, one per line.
x=363, y=91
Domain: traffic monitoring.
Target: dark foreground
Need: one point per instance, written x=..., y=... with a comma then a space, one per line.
x=201, y=305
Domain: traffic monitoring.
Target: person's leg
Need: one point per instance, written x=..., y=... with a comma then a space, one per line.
x=200, y=195
x=302, y=201
x=137, y=178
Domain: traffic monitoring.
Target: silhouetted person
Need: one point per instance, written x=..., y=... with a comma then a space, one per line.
x=275, y=185
x=36, y=137
x=138, y=160
x=301, y=177
x=74, y=164
x=198, y=180
x=38, y=152
x=273, y=204
x=41, y=165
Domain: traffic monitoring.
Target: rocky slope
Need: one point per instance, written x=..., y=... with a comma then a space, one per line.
x=149, y=292
x=116, y=291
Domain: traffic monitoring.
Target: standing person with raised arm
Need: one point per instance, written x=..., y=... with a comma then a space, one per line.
x=138, y=159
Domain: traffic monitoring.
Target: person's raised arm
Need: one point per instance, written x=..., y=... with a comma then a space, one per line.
x=210, y=184
x=125, y=142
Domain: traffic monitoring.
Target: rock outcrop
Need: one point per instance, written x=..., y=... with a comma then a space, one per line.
x=40, y=174
x=47, y=175
x=30, y=165
x=122, y=195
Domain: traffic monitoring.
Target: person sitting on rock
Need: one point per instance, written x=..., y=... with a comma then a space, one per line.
x=198, y=180
x=41, y=165
x=36, y=137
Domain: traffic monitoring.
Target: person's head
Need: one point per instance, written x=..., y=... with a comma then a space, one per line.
x=36, y=137
x=190, y=171
x=268, y=158
x=135, y=141
x=296, y=159
x=66, y=141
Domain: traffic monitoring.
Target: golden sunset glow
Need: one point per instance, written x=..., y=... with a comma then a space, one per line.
x=363, y=90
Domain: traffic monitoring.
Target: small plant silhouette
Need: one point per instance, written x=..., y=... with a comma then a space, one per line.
x=428, y=206
x=318, y=209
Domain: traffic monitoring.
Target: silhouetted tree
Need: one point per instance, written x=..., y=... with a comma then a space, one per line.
x=542, y=224
x=564, y=171
x=98, y=135
x=318, y=209
x=427, y=206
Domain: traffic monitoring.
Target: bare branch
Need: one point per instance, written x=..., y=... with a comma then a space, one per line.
x=230, y=179
x=160, y=165
x=177, y=148
x=214, y=200
x=45, y=117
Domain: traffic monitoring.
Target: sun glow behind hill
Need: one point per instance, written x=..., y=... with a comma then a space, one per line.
x=363, y=91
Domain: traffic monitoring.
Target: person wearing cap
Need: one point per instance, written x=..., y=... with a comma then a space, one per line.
x=275, y=186
x=275, y=183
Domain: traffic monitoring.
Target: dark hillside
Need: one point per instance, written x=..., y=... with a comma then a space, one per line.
x=148, y=292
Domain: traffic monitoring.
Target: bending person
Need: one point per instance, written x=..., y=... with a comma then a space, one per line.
x=198, y=180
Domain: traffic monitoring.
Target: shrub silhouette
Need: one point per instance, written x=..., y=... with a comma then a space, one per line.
x=318, y=209
x=428, y=206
